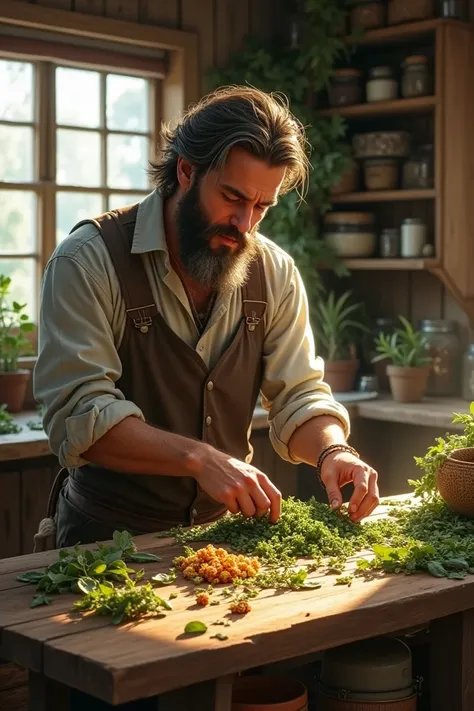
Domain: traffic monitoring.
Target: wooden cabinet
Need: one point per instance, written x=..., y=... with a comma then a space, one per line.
x=445, y=119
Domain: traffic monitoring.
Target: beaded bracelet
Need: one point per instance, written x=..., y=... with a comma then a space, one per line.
x=333, y=448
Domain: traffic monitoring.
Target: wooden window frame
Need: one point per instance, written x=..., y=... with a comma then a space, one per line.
x=177, y=89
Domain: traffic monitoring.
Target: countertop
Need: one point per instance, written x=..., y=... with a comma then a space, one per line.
x=431, y=412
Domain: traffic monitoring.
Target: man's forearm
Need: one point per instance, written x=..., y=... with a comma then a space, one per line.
x=309, y=440
x=133, y=446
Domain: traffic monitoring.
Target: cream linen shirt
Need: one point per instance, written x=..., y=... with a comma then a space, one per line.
x=82, y=321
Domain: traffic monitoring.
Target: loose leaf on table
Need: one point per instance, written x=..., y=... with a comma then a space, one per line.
x=164, y=578
x=41, y=600
x=33, y=577
x=143, y=557
x=195, y=627
x=435, y=568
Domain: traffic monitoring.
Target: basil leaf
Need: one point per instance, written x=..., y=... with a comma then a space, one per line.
x=195, y=627
x=436, y=569
x=41, y=600
x=164, y=578
x=144, y=557
x=32, y=577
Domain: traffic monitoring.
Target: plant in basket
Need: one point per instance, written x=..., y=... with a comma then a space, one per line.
x=406, y=350
x=338, y=322
x=14, y=323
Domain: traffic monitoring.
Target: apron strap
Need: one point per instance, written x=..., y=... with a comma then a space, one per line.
x=117, y=228
x=254, y=294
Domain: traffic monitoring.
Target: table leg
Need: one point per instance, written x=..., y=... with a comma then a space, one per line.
x=45, y=694
x=215, y=695
x=452, y=662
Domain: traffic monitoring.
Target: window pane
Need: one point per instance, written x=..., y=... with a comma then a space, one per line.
x=127, y=162
x=17, y=222
x=78, y=158
x=127, y=103
x=117, y=200
x=71, y=208
x=16, y=91
x=16, y=154
x=77, y=97
x=23, y=287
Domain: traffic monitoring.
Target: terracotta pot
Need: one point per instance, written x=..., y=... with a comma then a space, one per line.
x=407, y=384
x=268, y=693
x=455, y=481
x=13, y=389
x=340, y=375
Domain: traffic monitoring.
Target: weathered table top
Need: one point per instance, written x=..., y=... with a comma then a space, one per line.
x=119, y=664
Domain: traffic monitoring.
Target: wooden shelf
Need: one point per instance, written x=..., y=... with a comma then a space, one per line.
x=401, y=33
x=401, y=264
x=384, y=196
x=383, y=108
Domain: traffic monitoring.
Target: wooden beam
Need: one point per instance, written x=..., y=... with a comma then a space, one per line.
x=452, y=662
x=215, y=695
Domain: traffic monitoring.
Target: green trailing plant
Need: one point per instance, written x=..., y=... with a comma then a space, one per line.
x=298, y=73
x=337, y=324
x=425, y=487
x=14, y=323
x=406, y=347
x=7, y=423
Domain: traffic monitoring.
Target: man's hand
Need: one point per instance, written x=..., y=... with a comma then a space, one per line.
x=341, y=468
x=239, y=486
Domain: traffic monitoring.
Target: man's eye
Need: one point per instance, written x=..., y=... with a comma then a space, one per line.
x=229, y=199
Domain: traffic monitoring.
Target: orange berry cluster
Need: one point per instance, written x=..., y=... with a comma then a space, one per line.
x=216, y=565
x=202, y=599
x=240, y=607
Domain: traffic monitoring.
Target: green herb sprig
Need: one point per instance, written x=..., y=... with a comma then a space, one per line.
x=123, y=604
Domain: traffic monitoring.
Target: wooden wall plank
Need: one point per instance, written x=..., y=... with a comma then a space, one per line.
x=232, y=25
x=427, y=295
x=10, y=535
x=199, y=17
x=160, y=12
x=122, y=9
x=58, y=4
x=90, y=7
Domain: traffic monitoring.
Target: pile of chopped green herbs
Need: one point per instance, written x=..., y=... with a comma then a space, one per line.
x=426, y=537
x=129, y=602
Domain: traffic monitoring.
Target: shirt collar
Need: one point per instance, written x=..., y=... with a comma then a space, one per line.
x=149, y=234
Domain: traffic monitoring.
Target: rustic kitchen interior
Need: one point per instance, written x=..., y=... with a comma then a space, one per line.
x=400, y=223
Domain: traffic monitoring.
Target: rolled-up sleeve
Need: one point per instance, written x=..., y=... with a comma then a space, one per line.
x=293, y=386
x=78, y=364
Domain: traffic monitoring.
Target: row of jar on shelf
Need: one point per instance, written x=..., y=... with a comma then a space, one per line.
x=348, y=86
x=452, y=364
x=355, y=235
x=386, y=171
x=373, y=14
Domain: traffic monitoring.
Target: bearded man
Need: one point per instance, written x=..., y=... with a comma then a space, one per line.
x=162, y=322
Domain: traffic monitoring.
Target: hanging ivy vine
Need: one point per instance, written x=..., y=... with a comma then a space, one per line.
x=299, y=73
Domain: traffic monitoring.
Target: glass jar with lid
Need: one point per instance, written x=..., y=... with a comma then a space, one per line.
x=381, y=85
x=418, y=170
x=416, y=80
x=468, y=374
x=444, y=348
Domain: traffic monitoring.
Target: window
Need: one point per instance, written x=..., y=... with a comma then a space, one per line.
x=74, y=142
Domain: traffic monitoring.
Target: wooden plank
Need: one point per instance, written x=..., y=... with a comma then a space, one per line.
x=426, y=297
x=215, y=695
x=122, y=9
x=15, y=699
x=46, y=695
x=35, y=487
x=452, y=662
x=431, y=412
x=232, y=25
x=10, y=543
x=199, y=17
x=11, y=676
x=58, y=4
x=90, y=7
x=160, y=12
x=263, y=15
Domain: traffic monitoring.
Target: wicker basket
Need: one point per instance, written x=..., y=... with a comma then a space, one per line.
x=455, y=481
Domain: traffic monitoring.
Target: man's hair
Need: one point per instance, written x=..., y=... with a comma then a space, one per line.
x=242, y=116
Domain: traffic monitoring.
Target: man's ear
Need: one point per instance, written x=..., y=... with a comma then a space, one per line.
x=185, y=172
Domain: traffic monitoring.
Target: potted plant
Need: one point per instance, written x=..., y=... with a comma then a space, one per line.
x=337, y=320
x=406, y=349
x=13, y=344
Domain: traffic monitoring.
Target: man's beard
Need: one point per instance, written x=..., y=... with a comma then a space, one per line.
x=224, y=269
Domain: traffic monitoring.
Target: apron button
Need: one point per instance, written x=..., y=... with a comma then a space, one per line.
x=208, y=420
x=194, y=512
x=144, y=329
x=210, y=385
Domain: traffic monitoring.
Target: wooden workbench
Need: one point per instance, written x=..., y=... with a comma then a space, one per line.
x=155, y=657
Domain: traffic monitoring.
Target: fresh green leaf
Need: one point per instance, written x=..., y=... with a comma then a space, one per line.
x=143, y=557
x=195, y=627
x=164, y=578
x=33, y=577
x=87, y=585
x=39, y=600
x=435, y=568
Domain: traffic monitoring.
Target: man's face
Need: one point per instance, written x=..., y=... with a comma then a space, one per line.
x=218, y=216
